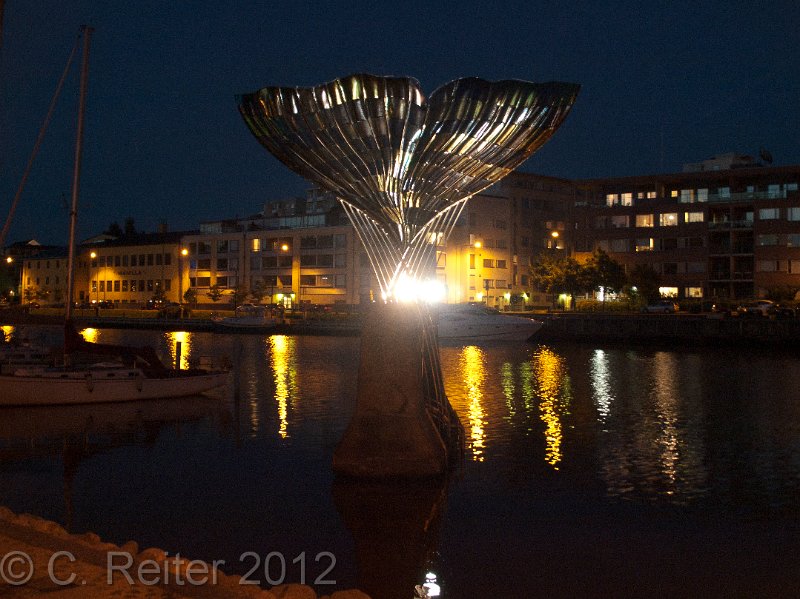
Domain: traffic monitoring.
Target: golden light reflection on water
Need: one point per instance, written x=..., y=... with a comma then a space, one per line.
x=665, y=397
x=473, y=372
x=185, y=338
x=284, y=371
x=553, y=388
x=601, y=383
x=91, y=335
x=8, y=331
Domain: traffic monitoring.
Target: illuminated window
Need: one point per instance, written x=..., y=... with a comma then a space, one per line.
x=644, y=220
x=693, y=217
x=673, y=193
x=668, y=219
x=668, y=291
x=651, y=195
x=769, y=213
x=626, y=199
x=793, y=213
x=694, y=292
x=687, y=196
x=645, y=245
x=612, y=199
x=256, y=245
x=702, y=195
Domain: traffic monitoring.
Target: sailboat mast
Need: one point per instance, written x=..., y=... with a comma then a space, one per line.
x=76, y=173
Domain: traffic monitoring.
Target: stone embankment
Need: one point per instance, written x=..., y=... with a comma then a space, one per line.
x=38, y=557
x=682, y=329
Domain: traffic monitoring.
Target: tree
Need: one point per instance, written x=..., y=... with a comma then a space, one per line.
x=560, y=275
x=258, y=291
x=644, y=283
x=238, y=295
x=159, y=295
x=130, y=227
x=190, y=297
x=215, y=293
x=603, y=271
x=114, y=230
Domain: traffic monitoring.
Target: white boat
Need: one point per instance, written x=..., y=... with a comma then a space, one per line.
x=476, y=323
x=101, y=383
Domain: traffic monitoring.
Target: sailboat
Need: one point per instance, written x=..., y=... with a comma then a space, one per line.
x=135, y=373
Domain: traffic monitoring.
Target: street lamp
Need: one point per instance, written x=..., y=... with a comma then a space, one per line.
x=93, y=256
x=184, y=253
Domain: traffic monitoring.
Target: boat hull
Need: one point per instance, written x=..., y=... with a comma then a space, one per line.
x=474, y=326
x=16, y=390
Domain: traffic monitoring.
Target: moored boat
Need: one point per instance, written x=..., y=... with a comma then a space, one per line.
x=474, y=323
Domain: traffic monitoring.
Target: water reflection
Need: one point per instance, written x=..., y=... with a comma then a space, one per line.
x=653, y=443
x=473, y=373
x=91, y=335
x=8, y=332
x=601, y=385
x=284, y=372
x=554, y=392
x=185, y=339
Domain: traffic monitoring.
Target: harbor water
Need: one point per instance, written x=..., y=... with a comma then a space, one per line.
x=587, y=470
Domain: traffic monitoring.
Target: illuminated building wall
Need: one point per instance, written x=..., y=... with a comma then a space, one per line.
x=711, y=233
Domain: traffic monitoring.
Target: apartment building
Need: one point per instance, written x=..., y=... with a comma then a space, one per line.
x=709, y=232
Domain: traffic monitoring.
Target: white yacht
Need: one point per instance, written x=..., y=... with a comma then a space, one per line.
x=475, y=323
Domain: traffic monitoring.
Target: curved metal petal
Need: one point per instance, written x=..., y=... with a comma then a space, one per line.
x=401, y=164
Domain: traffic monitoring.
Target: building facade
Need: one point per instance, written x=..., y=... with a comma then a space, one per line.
x=708, y=232
x=728, y=234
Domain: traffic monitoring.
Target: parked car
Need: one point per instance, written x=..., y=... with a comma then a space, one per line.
x=661, y=307
x=782, y=311
x=757, y=308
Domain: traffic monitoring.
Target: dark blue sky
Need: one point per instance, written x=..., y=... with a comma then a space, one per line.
x=663, y=84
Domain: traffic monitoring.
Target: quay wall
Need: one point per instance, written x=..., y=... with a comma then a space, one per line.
x=684, y=329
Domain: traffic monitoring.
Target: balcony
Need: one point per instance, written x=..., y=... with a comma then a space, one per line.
x=730, y=224
x=747, y=196
x=720, y=275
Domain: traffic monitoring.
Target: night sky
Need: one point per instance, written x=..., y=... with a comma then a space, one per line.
x=663, y=84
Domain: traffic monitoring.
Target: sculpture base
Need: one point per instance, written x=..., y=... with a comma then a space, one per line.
x=397, y=428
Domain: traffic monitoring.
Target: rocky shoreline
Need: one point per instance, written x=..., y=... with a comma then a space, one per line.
x=39, y=556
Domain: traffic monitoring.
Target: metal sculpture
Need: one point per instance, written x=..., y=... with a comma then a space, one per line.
x=402, y=166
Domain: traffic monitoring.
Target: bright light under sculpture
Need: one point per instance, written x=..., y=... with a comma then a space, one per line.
x=402, y=166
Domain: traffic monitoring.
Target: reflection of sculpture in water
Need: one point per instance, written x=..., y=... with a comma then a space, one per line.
x=395, y=527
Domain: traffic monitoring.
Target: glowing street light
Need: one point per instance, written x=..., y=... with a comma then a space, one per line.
x=554, y=234
x=183, y=253
x=285, y=247
x=478, y=245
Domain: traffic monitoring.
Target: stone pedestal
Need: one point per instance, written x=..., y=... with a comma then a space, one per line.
x=392, y=433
